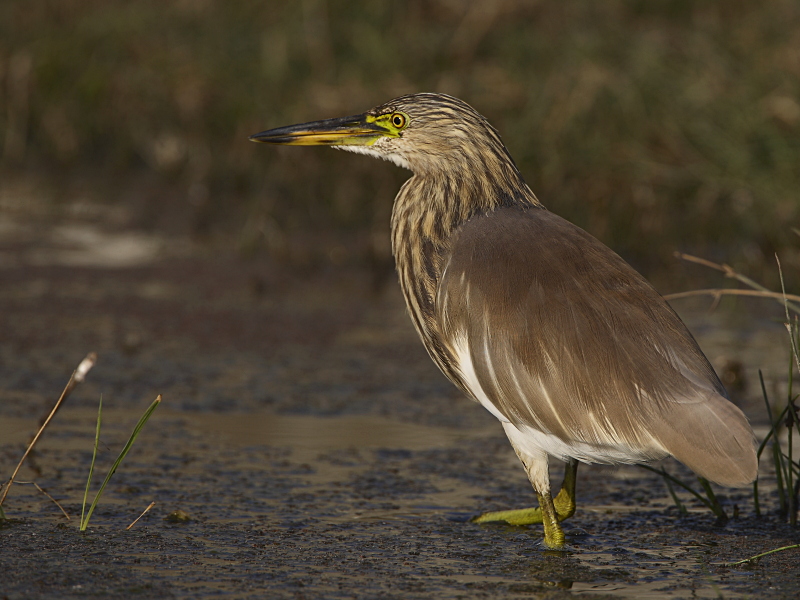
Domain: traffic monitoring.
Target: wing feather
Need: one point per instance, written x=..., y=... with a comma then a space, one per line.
x=564, y=337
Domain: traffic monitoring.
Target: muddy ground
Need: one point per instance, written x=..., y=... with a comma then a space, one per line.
x=316, y=450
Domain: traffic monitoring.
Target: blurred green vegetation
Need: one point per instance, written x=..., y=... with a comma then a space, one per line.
x=657, y=126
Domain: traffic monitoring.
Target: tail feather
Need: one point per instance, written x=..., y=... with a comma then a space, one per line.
x=713, y=438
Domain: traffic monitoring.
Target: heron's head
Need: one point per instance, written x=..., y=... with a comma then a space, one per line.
x=426, y=133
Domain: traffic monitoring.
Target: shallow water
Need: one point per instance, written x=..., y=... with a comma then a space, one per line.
x=316, y=450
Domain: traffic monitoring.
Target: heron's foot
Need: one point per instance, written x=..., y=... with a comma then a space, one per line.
x=519, y=516
x=564, y=504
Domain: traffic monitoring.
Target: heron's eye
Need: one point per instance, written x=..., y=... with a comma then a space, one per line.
x=399, y=120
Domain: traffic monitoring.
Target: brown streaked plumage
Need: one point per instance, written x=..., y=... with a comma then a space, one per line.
x=568, y=346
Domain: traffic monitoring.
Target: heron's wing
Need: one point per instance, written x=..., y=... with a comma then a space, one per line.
x=561, y=335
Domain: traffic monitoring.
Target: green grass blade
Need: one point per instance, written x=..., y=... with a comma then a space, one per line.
x=716, y=507
x=776, y=452
x=757, y=556
x=791, y=417
x=675, y=499
x=762, y=445
x=790, y=423
x=790, y=470
x=769, y=435
x=142, y=421
x=677, y=481
x=777, y=460
x=91, y=467
x=756, y=504
x=795, y=354
x=794, y=464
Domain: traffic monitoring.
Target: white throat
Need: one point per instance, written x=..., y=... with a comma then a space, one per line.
x=395, y=158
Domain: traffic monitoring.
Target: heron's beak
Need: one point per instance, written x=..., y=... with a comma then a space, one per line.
x=358, y=130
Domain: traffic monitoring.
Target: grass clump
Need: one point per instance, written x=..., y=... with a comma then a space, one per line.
x=136, y=430
x=782, y=422
x=78, y=376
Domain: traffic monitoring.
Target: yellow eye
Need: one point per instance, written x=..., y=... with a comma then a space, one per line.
x=399, y=120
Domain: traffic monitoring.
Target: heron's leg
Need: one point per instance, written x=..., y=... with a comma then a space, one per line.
x=553, y=533
x=536, y=466
x=565, y=500
x=564, y=504
x=538, y=470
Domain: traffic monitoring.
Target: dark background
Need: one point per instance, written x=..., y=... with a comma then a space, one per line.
x=658, y=126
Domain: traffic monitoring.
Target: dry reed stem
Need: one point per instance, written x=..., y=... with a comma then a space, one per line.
x=46, y=494
x=144, y=512
x=795, y=352
x=77, y=376
x=728, y=292
x=758, y=289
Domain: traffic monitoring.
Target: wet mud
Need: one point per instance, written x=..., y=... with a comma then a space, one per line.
x=314, y=448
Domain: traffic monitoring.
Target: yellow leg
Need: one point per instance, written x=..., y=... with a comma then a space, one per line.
x=565, y=500
x=563, y=505
x=553, y=533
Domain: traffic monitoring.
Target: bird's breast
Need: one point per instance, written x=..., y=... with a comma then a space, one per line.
x=421, y=242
